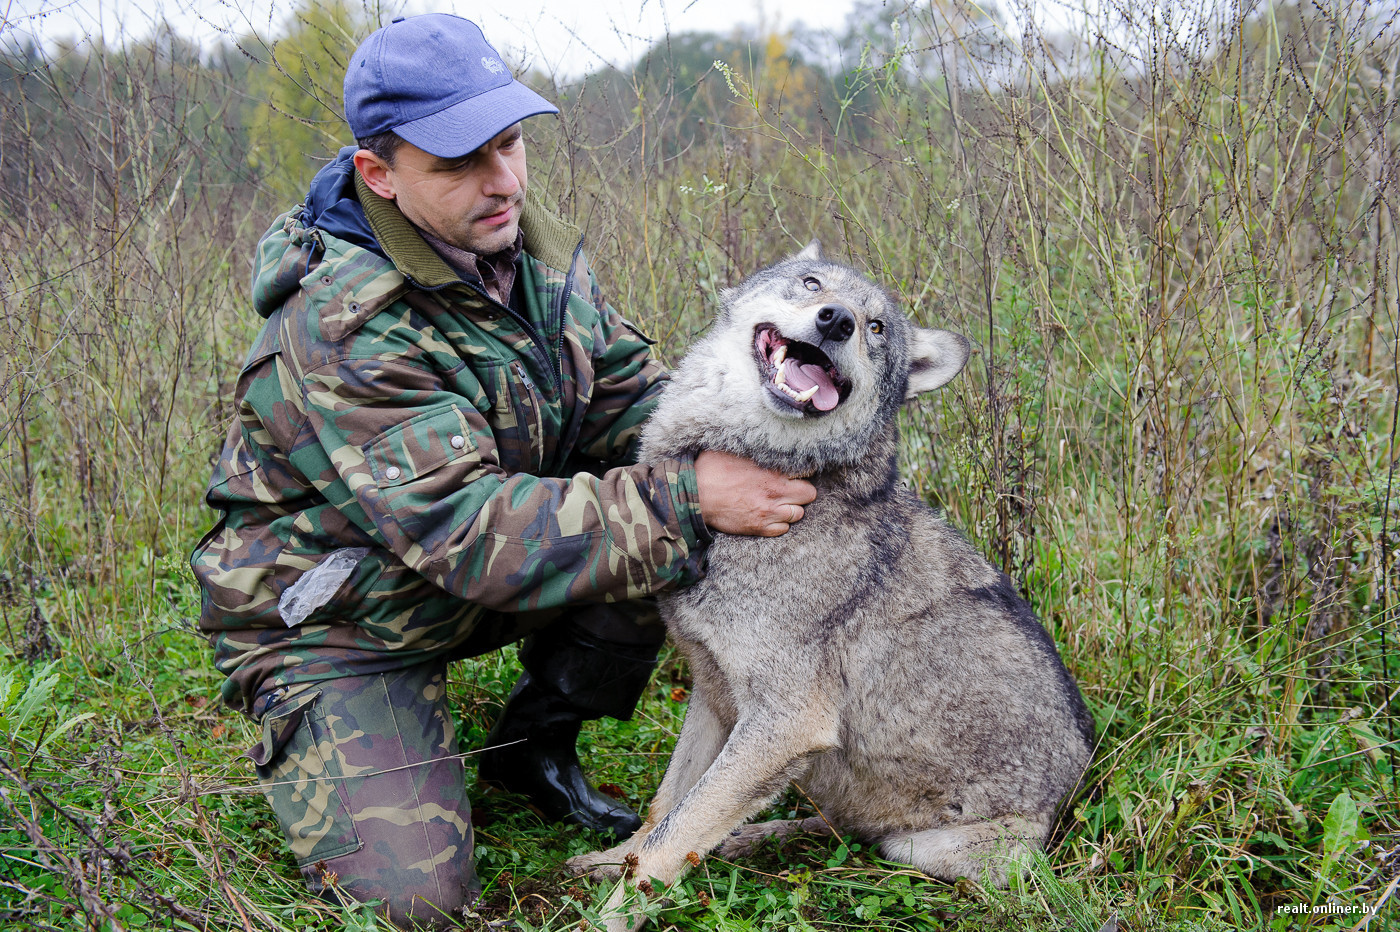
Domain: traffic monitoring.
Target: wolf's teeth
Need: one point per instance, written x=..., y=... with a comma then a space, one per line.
x=779, y=378
x=779, y=355
x=806, y=396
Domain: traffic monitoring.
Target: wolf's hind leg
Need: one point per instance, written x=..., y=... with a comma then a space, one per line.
x=988, y=851
x=744, y=839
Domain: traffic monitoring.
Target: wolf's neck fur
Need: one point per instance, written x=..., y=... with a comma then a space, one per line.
x=681, y=426
x=870, y=477
x=873, y=477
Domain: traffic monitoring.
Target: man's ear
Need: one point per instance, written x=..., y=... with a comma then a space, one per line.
x=812, y=252
x=375, y=171
x=935, y=356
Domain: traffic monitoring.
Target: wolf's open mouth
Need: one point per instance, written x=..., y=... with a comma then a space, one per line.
x=798, y=373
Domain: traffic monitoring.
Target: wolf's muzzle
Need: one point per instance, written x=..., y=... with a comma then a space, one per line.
x=799, y=374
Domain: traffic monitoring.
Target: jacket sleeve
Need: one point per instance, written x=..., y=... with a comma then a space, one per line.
x=628, y=380
x=420, y=462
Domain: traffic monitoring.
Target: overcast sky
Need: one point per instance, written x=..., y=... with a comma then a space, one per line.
x=569, y=37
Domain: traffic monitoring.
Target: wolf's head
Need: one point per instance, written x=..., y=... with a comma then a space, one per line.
x=806, y=365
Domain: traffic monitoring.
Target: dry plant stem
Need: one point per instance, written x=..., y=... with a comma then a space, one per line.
x=189, y=795
x=75, y=870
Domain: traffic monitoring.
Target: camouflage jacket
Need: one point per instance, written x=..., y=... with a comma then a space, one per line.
x=408, y=453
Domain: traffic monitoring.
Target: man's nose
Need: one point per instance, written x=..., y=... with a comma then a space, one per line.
x=835, y=323
x=500, y=180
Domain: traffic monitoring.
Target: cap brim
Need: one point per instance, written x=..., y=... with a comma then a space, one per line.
x=464, y=127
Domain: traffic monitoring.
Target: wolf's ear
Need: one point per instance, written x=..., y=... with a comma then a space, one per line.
x=935, y=356
x=812, y=252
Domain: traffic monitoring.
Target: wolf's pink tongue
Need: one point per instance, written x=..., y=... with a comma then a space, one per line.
x=802, y=376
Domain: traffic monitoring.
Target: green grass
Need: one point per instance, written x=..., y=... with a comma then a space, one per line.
x=1199, y=812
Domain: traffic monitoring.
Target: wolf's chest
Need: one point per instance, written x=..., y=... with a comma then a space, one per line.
x=769, y=590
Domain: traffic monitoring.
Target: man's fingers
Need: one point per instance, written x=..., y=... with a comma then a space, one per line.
x=739, y=497
x=801, y=491
x=783, y=521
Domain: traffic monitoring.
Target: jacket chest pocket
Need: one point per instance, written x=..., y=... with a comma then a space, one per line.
x=517, y=420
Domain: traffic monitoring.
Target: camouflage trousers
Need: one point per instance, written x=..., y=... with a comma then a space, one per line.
x=365, y=775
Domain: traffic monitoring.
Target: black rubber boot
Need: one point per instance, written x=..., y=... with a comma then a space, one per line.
x=571, y=676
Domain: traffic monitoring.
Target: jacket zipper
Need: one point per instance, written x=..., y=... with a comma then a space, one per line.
x=535, y=428
x=563, y=309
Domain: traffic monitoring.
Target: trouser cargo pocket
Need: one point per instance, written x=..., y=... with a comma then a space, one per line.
x=365, y=777
x=304, y=781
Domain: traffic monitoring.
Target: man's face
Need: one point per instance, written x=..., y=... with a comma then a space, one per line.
x=472, y=202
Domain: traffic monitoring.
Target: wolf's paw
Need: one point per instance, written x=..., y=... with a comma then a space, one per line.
x=744, y=841
x=600, y=865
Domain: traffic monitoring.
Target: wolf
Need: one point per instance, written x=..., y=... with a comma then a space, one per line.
x=870, y=654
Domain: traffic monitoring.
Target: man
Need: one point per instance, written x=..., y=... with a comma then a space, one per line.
x=433, y=457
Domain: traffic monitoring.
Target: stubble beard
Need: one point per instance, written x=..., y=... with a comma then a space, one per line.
x=496, y=240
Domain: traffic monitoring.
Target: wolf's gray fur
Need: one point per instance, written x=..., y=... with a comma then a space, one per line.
x=870, y=654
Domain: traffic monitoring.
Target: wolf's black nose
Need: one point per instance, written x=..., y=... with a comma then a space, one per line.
x=835, y=323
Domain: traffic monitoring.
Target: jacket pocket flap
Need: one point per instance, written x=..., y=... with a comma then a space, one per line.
x=420, y=445
x=278, y=726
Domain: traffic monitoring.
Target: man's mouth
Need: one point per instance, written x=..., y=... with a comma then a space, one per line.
x=798, y=373
x=502, y=216
x=497, y=219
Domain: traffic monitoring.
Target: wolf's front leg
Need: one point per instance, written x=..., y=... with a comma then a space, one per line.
x=763, y=753
x=606, y=864
x=703, y=734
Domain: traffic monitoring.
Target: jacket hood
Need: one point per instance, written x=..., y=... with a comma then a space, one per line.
x=298, y=240
x=333, y=207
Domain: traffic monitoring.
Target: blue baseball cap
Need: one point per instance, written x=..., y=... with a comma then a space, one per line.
x=435, y=81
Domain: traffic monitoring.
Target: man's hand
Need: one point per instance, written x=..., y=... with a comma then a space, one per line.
x=739, y=497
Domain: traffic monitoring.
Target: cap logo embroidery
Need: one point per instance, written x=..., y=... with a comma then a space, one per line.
x=493, y=65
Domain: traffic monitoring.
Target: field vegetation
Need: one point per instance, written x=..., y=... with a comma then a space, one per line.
x=1170, y=232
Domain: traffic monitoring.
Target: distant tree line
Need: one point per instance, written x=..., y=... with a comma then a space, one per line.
x=83, y=119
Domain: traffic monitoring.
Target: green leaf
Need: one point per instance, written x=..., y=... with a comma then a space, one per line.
x=1339, y=829
x=55, y=733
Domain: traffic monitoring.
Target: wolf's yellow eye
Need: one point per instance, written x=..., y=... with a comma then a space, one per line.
x=812, y=284
x=876, y=326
